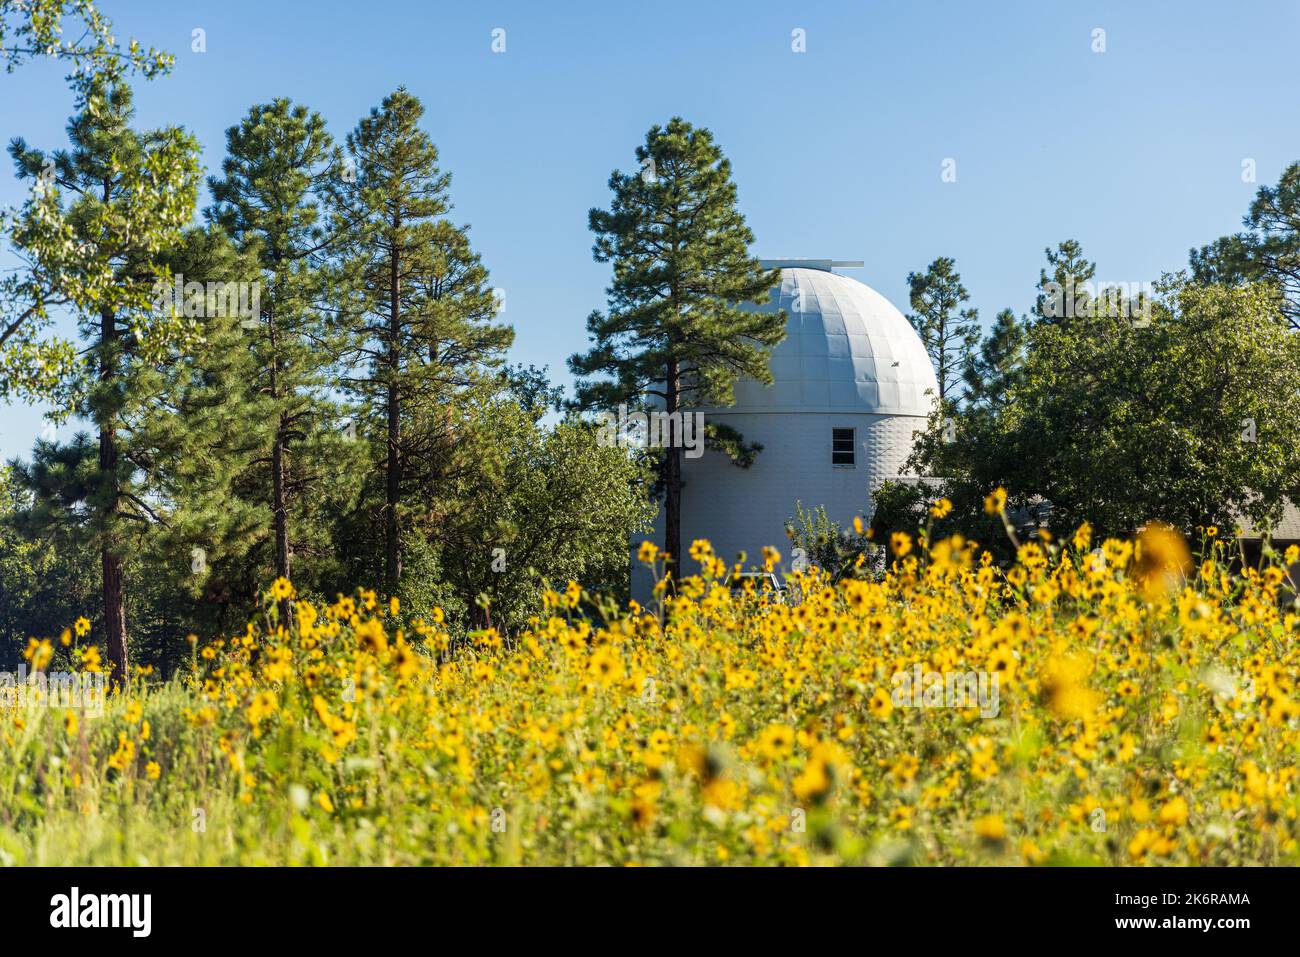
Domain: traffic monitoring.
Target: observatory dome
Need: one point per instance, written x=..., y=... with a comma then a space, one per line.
x=847, y=349
x=852, y=388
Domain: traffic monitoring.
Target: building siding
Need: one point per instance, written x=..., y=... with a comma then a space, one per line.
x=744, y=509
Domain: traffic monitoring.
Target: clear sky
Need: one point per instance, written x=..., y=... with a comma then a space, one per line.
x=838, y=151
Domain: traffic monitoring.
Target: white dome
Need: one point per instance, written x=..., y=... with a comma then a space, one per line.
x=847, y=349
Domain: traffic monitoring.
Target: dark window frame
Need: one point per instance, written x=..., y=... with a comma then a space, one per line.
x=843, y=457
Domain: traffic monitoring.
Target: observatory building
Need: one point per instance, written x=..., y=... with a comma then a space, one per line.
x=852, y=383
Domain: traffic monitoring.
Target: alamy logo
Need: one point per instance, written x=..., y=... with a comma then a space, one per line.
x=951, y=689
x=652, y=430
x=65, y=690
x=213, y=300
x=134, y=911
x=1100, y=300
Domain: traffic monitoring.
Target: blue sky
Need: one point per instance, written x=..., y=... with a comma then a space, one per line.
x=1137, y=152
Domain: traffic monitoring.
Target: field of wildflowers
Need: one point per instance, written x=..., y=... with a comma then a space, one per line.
x=1145, y=714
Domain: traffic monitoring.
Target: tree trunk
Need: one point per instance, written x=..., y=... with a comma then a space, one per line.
x=278, y=506
x=114, y=615
x=945, y=308
x=111, y=582
x=673, y=476
x=392, y=541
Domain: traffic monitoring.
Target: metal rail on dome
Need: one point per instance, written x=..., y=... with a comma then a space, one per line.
x=825, y=265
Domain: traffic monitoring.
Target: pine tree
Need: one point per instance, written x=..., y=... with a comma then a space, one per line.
x=128, y=196
x=423, y=335
x=280, y=161
x=676, y=331
x=47, y=581
x=1268, y=249
x=993, y=370
x=948, y=331
x=1062, y=293
x=201, y=435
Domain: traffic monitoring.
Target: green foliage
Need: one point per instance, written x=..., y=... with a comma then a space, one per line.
x=421, y=335
x=677, y=334
x=93, y=234
x=202, y=437
x=1062, y=292
x=838, y=551
x=1267, y=251
x=361, y=427
x=47, y=581
x=542, y=506
x=280, y=162
x=948, y=331
x=32, y=28
x=994, y=368
x=532, y=389
x=905, y=507
x=676, y=329
x=1192, y=418
x=231, y=460
x=900, y=507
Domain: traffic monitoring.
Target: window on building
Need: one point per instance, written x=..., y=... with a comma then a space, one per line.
x=842, y=446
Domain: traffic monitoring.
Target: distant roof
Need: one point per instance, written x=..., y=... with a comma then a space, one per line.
x=1287, y=530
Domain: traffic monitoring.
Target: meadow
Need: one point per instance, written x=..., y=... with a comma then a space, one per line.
x=1145, y=715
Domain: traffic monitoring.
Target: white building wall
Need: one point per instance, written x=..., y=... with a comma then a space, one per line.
x=744, y=509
